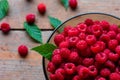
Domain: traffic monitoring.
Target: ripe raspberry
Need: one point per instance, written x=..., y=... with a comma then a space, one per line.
x=64, y=44
x=58, y=39
x=83, y=72
x=117, y=50
x=23, y=50
x=107, y=51
x=117, y=69
x=114, y=28
x=110, y=64
x=70, y=68
x=90, y=39
x=73, y=41
x=112, y=44
x=86, y=53
x=112, y=34
x=30, y=18
x=51, y=67
x=5, y=27
x=81, y=45
x=56, y=59
x=66, y=29
x=60, y=71
x=118, y=37
x=96, y=30
x=73, y=32
x=82, y=27
x=105, y=37
x=89, y=22
x=88, y=62
x=89, y=30
x=114, y=76
x=55, y=52
x=41, y=8
x=96, y=22
x=92, y=70
x=101, y=58
x=53, y=77
x=101, y=78
x=76, y=77
x=113, y=57
x=105, y=25
x=65, y=53
x=74, y=57
x=82, y=36
x=73, y=3
x=105, y=72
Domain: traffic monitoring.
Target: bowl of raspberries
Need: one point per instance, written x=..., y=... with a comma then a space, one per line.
x=88, y=48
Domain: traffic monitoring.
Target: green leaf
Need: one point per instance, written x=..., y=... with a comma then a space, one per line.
x=65, y=3
x=33, y=31
x=45, y=50
x=4, y=6
x=54, y=22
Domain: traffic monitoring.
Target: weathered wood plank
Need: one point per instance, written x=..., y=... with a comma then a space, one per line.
x=19, y=9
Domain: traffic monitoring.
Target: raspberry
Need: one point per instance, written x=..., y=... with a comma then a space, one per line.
x=110, y=64
x=64, y=44
x=112, y=34
x=56, y=59
x=117, y=50
x=90, y=39
x=59, y=76
x=66, y=29
x=114, y=28
x=30, y=18
x=83, y=72
x=112, y=44
x=88, y=62
x=81, y=45
x=105, y=25
x=60, y=71
x=101, y=78
x=117, y=70
x=23, y=50
x=56, y=51
x=101, y=58
x=89, y=22
x=73, y=3
x=41, y=8
x=51, y=67
x=53, y=77
x=73, y=32
x=82, y=36
x=73, y=41
x=96, y=30
x=86, y=53
x=105, y=72
x=74, y=57
x=113, y=57
x=89, y=30
x=70, y=68
x=92, y=70
x=96, y=22
x=114, y=76
x=5, y=27
x=107, y=51
x=82, y=27
x=58, y=39
x=105, y=37
x=118, y=37
x=76, y=77
x=65, y=53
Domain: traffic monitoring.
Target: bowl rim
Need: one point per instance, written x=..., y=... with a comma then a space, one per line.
x=43, y=59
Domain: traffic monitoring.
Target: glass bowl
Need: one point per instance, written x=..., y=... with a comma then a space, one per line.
x=74, y=21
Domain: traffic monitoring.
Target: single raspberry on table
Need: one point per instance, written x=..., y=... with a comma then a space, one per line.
x=23, y=50
x=5, y=27
x=30, y=18
x=41, y=8
x=73, y=3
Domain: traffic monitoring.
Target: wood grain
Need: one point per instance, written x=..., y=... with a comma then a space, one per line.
x=20, y=8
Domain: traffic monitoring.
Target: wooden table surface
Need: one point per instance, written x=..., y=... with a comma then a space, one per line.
x=12, y=67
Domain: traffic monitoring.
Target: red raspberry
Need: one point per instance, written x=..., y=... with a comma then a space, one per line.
x=105, y=25
x=118, y=37
x=112, y=34
x=110, y=64
x=88, y=62
x=23, y=50
x=60, y=71
x=51, y=67
x=92, y=70
x=112, y=44
x=114, y=76
x=74, y=57
x=101, y=78
x=105, y=37
x=113, y=57
x=114, y=28
x=90, y=39
x=96, y=30
x=64, y=44
x=117, y=69
x=101, y=58
x=107, y=51
x=55, y=52
x=58, y=39
x=105, y=72
x=73, y=41
x=117, y=50
x=56, y=59
x=30, y=18
x=5, y=27
x=97, y=22
x=76, y=77
x=73, y=3
x=65, y=53
x=83, y=72
x=89, y=22
x=82, y=36
x=66, y=29
x=59, y=76
x=41, y=8
x=81, y=45
x=82, y=27
x=73, y=32
x=53, y=77
x=70, y=68
x=86, y=53
x=89, y=30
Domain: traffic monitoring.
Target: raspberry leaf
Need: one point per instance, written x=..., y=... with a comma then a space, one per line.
x=4, y=6
x=54, y=22
x=65, y=3
x=45, y=50
x=33, y=31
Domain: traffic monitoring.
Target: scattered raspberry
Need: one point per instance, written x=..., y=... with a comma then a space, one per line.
x=23, y=50
x=5, y=27
x=41, y=8
x=30, y=18
x=73, y=3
